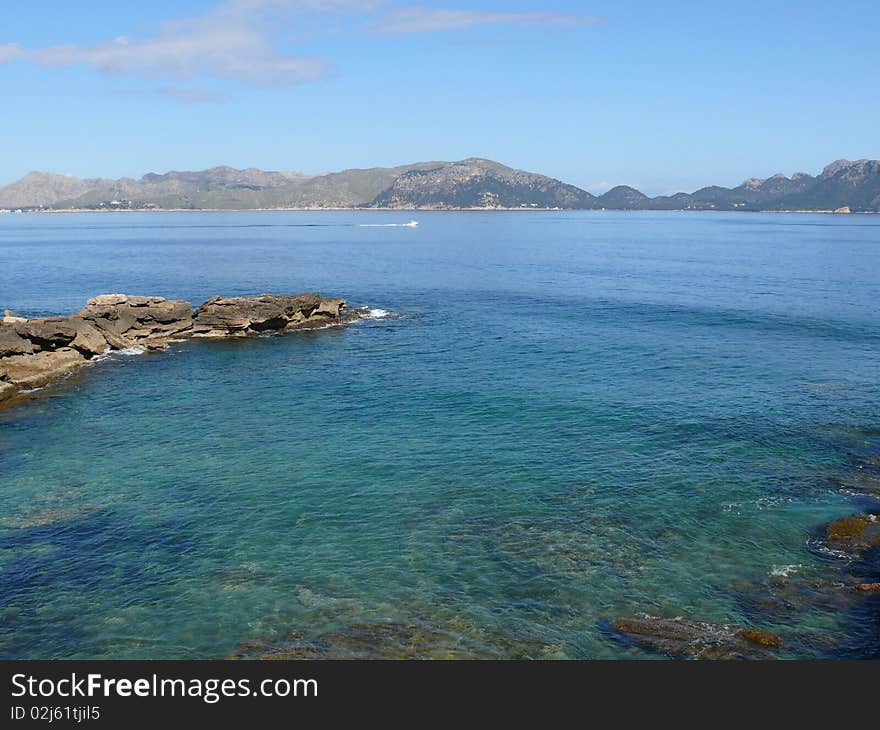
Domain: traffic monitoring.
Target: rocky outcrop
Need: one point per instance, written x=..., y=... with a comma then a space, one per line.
x=36, y=352
x=242, y=316
x=681, y=638
x=127, y=321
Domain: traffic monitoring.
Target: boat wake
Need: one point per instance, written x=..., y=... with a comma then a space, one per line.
x=411, y=224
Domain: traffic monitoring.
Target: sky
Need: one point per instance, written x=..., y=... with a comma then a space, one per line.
x=664, y=96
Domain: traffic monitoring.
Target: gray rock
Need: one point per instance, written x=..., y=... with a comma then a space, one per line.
x=10, y=317
x=237, y=316
x=41, y=368
x=107, y=300
x=329, y=307
x=49, y=333
x=166, y=312
x=89, y=339
x=7, y=391
x=126, y=320
x=114, y=339
x=12, y=343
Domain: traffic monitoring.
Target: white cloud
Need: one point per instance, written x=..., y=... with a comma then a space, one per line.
x=8, y=51
x=422, y=20
x=234, y=41
x=241, y=54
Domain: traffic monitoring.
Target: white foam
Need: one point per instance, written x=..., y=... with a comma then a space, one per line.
x=375, y=313
x=411, y=224
x=109, y=352
x=103, y=356
x=824, y=549
x=783, y=571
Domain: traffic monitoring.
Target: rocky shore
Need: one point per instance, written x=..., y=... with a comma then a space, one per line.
x=37, y=352
x=853, y=542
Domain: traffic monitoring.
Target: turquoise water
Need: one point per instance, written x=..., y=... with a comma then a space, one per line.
x=565, y=417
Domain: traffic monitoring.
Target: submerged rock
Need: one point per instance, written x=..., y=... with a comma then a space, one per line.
x=682, y=638
x=416, y=639
x=241, y=575
x=854, y=532
x=43, y=516
x=778, y=597
x=564, y=547
x=867, y=482
x=36, y=352
x=391, y=640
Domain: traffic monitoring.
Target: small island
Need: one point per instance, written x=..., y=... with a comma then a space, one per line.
x=37, y=352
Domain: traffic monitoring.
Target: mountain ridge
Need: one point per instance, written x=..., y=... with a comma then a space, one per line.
x=470, y=183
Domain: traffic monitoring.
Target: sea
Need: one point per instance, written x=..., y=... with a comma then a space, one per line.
x=547, y=420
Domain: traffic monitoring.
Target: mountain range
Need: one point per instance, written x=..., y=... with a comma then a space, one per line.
x=471, y=183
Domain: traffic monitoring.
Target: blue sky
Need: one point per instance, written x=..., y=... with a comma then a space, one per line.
x=665, y=96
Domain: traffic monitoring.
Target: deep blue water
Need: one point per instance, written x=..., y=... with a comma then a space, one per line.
x=566, y=417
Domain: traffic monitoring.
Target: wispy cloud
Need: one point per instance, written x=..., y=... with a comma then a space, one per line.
x=238, y=40
x=237, y=54
x=423, y=20
x=8, y=51
x=234, y=41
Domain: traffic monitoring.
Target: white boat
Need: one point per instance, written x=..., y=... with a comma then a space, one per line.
x=411, y=224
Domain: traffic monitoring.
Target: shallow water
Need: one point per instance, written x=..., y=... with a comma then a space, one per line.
x=564, y=417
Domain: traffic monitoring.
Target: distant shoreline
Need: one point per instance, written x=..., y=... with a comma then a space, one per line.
x=470, y=184
x=414, y=210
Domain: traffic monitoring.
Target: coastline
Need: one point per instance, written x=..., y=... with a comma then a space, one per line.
x=493, y=209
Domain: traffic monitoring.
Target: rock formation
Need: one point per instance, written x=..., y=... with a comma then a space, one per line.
x=242, y=316
x=36, y=352
x=682, y=638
